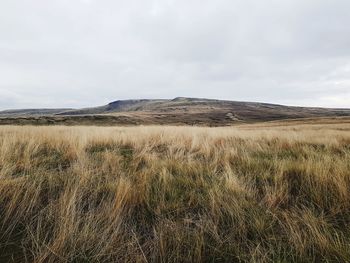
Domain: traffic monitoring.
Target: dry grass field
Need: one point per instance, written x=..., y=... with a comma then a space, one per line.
x=251, y=193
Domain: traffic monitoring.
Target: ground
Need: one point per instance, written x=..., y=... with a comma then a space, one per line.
x=268, y=192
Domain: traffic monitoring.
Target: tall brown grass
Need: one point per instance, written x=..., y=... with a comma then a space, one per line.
x=175, y=194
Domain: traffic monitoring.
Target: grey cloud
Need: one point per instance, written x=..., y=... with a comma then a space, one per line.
x=76, y=53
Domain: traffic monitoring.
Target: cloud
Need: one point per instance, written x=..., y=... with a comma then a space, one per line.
x=76, y=53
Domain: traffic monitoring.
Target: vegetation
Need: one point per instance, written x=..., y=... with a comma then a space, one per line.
x=253, y=193
x=178, y=111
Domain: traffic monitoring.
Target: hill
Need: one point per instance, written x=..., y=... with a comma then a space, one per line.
x=181, y=110
x=32, y=112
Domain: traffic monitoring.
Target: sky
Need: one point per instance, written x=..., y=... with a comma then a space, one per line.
x=79, y=53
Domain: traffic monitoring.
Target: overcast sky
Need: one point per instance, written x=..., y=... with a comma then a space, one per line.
x=76, y=53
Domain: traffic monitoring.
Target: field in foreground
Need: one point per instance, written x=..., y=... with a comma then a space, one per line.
x=253, y=193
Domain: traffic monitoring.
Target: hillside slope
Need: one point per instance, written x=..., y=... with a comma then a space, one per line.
x=190, y=111
x=32, y=112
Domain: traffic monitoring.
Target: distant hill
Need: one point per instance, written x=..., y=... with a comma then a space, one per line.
x=181, y=110
x=32, y=112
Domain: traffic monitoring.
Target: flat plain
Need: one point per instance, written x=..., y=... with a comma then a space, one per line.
x=267, y=192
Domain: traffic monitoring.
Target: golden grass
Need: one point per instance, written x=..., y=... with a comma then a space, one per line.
x=254, y=193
